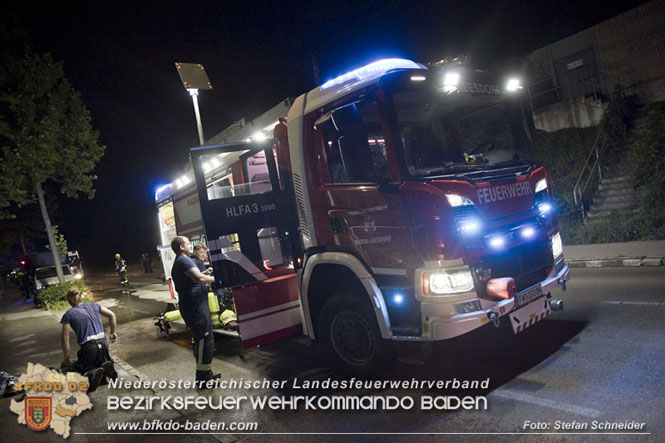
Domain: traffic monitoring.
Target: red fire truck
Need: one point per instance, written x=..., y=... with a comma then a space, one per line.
x=397, y=202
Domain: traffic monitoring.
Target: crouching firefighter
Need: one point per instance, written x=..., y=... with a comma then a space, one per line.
x=193, y=305
x=93, y=356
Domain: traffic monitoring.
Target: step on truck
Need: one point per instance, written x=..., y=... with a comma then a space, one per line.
x=396, y=202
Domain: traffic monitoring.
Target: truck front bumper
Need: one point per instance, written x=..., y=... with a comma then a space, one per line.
x=441, y=320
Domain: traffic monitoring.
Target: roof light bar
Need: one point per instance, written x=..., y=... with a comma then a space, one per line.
x=182, y=181
x=259, y=136
x=161, y=189
x=372, y=70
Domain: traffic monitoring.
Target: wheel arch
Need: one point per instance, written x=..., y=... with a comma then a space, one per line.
x=328, y=273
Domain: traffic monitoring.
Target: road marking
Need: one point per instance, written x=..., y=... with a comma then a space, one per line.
x=40, y=354
x=553, y=404
x=23, y=315
x=27, y=343
x=636, y=303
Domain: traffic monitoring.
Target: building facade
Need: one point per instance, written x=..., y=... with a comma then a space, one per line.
x=571, y=79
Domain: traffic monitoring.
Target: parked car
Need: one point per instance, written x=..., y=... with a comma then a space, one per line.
x=47, y=276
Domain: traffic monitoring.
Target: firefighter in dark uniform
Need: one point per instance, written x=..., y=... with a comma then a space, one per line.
x=199, y=258
x=193, y=305
x=85, y=320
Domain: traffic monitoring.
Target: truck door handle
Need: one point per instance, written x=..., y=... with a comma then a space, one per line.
x=338, y=225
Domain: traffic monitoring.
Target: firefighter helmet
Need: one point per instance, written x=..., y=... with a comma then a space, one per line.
x=228, y=316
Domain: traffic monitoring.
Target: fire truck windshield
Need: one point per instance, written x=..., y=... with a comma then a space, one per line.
x=452, y=133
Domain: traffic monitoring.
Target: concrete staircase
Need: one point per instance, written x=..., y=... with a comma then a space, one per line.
x=615, y=194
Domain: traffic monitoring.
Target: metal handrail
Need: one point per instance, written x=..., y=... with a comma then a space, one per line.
x=580, y=187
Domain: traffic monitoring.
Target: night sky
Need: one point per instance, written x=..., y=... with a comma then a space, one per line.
x=120, y=56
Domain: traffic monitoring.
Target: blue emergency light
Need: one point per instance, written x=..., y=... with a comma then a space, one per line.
x=372, y=70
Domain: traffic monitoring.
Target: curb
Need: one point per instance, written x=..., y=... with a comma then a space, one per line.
x=617, y=262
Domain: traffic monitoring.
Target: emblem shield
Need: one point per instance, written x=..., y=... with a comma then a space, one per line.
x=38, y=412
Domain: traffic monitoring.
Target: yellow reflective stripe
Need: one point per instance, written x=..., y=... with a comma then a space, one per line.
x=202, y=367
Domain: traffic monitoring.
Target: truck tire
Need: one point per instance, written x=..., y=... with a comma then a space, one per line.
x=351, y=338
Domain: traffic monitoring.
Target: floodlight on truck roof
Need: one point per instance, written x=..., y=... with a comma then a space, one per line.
x=450, y=81
x=513, y=85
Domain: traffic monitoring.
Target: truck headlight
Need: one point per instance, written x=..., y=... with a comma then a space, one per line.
x=458, y=200
x=446, y=282
x=78, y=276
x=541, y=185
x=557, y=246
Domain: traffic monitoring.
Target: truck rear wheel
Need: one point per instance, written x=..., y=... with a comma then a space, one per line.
x=351, y=336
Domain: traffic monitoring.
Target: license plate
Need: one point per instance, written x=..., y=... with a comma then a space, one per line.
x=529, y=315
x=525, y=297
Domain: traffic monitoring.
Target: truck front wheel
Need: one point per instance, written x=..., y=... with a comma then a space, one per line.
x=351, y=336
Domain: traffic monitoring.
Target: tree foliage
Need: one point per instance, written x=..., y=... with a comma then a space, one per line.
x=617, y=122
x=54, y=297
x=45, y=132
x=60, y=242
x=46, y=136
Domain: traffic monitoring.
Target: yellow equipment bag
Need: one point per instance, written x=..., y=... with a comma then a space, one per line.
x=213, y=304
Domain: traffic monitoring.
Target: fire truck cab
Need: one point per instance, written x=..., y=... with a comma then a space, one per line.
x=398, y=202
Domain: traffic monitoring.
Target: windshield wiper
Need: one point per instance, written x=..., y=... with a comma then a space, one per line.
x=509, y=163
x=453, y=169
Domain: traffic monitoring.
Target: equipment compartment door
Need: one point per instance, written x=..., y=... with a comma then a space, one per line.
x=268, y=310
x=248, y=231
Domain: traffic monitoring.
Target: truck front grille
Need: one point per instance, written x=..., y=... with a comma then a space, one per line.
x=526, y=264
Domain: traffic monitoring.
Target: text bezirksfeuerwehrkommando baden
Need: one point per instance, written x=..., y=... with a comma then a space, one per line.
x=294, y=402
x=336, y=401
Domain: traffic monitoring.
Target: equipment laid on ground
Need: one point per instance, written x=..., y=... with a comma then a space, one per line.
x=222, y=314
x=398, y=204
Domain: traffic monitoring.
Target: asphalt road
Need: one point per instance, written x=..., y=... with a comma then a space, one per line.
x=600, y=360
